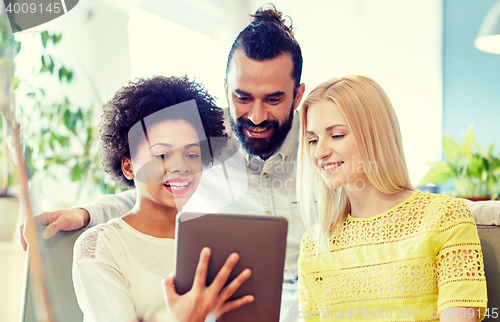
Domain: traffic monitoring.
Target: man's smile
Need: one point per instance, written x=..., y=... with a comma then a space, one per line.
x=258, y=132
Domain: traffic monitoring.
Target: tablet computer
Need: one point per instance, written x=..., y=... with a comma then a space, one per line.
x=259, y=240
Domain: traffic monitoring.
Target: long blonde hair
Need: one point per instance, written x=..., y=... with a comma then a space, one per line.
x=374, y=125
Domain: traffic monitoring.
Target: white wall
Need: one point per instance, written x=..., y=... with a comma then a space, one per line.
x=396, y=42
x=95, y=45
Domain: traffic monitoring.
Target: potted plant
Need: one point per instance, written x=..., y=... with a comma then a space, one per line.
x=476, y=174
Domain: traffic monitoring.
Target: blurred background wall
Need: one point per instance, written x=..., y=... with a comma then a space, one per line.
x=421, y=52
x=471, y=82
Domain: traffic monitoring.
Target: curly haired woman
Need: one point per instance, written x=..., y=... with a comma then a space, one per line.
x=154, y=137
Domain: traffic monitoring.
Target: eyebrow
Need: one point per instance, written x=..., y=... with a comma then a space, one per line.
x=327, y=129
x=277, y=93
x=170, y=145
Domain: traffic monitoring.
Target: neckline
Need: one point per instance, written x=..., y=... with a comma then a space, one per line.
x=413, y=195
x=143, y=235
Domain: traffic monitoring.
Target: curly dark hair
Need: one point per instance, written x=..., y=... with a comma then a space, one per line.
x=266, y=38
x=142, y=97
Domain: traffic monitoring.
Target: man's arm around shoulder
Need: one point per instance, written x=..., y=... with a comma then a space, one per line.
x=100, y=211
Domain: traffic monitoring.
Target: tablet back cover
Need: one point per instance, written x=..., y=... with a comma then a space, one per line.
x=261, y=243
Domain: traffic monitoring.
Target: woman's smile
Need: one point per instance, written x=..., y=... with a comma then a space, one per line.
x=330, y=166
x=178, y=186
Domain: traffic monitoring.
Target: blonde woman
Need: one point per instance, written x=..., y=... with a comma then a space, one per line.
x=376, y=248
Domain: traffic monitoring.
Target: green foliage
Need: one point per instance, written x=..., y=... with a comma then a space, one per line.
x=14, y=83
x=47, y=67
x=46, y=37
x=57, y=133
x=476, y=174
x=63, y=72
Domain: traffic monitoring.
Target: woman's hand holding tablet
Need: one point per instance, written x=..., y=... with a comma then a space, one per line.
x=202, y=301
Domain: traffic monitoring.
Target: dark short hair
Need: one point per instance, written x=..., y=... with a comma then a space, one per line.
x=142, y=97
x=266, y=38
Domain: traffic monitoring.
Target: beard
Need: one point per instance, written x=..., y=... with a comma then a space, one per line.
x=262, y=147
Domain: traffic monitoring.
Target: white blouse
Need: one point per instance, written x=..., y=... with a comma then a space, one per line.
x=117, y=272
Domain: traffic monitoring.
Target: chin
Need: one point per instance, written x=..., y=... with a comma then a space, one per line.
x=334, y=183
x=182, y=200
x=171, y=202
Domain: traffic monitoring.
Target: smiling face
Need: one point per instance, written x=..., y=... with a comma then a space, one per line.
x=261, y=101
x=332, y=147
x=169, y=168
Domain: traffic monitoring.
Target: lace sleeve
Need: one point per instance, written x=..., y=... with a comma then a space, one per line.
x=85, y=246
x=459, y=259
x=308, y=309
x=101, y=287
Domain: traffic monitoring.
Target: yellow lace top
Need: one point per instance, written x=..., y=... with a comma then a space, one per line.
x=406, y=264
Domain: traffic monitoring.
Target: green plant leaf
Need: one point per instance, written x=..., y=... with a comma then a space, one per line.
x=52, y=65
x=51, y=144
x=76, y=173
x=44, y=65
x=490, y=150
x=89, y=136
x=66, y=117
x=62, y=73
x=476, y=166
x=465, y=150
x=471, y=139
x=17, y=47
x=451, y=149
x=14, y=83
x=45, y=38
x=56, y=38
x=61, y=160
x=440, y=173
x=63, y=140
x=47, y=67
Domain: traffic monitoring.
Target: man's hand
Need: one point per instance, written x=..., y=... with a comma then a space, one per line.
x=71, y=219
x=202, y=301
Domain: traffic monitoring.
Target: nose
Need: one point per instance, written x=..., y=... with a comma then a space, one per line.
x=176, y=164
x=258, y=114
x=322, y=150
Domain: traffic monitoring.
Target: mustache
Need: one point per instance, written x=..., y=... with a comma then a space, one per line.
x=244, y=122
